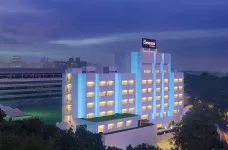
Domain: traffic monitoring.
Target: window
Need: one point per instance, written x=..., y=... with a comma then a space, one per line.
x=68, y=77
x=166, y=96
x=129, y=123
x=166, y=88
x=150, y=81
x=124, y=111
x=90, y=94
x=110, y=113
x=145, y=117
x=159, y=126
x=124, y=82
x=157, y=71
x=165, y=71
x=149, y=90
x=101, y=128
x=125, y=101
x=103, y=103
x=143, y=81
x=68, y=88
x=158, y=106
x=149, y=107
x=119, y=124
x=150, y=99
x=181, y=88
x=110, y=93
x=175, y=111
x=124, y=92
x=131, y=100
x=110, y=126
x=90, y=105
x=131, y=82
x=180, y=80
x=175, y=95
x=90, y=84
x=90, y=115
x=166, y=80
x=158, y=81
x=176, y=104
x=166, y=105
x=103, y=93
x=110, y=103
x=158, y=98
x=175, y=80
x=165, y=113
x=102, y=83
x=144, y=108
x=131, y=91
x=175, y=88
x=131, y=110
x=180, y=95
x=110, y=83
x=158, y=89
x=102, y=114
x=144, y=99
x=144, y=90
x=180, y=103
x=68, y=97
x=157, y=114
x=147, y=71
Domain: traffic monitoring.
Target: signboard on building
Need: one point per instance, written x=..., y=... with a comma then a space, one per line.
x=148, y=43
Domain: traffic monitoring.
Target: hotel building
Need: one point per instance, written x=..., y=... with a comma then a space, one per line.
x=114, y=103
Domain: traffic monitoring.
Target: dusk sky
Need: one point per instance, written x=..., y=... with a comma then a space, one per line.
x=194, y=32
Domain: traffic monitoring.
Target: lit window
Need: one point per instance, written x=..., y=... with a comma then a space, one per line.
x=110, y=126
x=131, y=110
x=158, y=106
x=110, y=113
x=129, y=123
x=158, y=81
x=166, y=96
x=68, y=98
x=166, y=105
x=165, y=71
x=144, y=117
x=102, y=83
x=166, y=80
x=90, y=94
x=102, y=114
x=180, y=103
x=144, y=108
x=68, y=77
x=180, y=80
x=119, y=124
x=101, y=128
x=180, y=95
x=175, y=95
x=131, y=82
x=124, y=82
x=144, y=90
x=90, y=115
x=158, y=97
x=131, y=100
x=131, y=91
x=124, y=111
x=110, y=103
x=103, y=93
x=158, y=89
x=166, y=89
x=175, y=80
x=165, y=113
x=110, y=93
x=147, y=71
x=180, y=87
x=90, y=84
x=150, y=81
x=176, y=104
x=125, y=101
x=110, y=83
x=175, y=88
x=157, y=114
x=159, y=126
x=124, y=92
x=150, y=99
x=143, y=81
x=103, y=103
x=149, y=107
x=157, y=71
x=149, y=90
x=68, y=88
x=90, y=105
x=175, y=111
x=144, y=99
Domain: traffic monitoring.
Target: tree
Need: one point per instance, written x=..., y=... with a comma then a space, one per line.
x=2, y=115
x=142, y=146
x=197, y=129
x=112, y=148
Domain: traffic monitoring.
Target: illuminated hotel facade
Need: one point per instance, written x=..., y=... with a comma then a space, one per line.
x=151, y=91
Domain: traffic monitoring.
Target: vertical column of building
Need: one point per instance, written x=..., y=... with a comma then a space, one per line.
x=178, y=92
x=118, y=93
x=97, y=95
x=154, y=86
x=162, y=84
x=83, y=96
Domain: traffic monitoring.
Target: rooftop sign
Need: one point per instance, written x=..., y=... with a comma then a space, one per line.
x=148, y=43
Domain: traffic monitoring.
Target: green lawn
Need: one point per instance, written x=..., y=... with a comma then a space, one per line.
x=49, y=114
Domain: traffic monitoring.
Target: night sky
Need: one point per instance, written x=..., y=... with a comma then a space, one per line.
x=195, y=32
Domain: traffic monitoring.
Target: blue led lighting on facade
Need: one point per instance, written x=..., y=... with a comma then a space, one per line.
x=162, y=84
x=97, y=96
x=81, y=95
x=154, y=87
x=171, y=94
x=118, y=93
